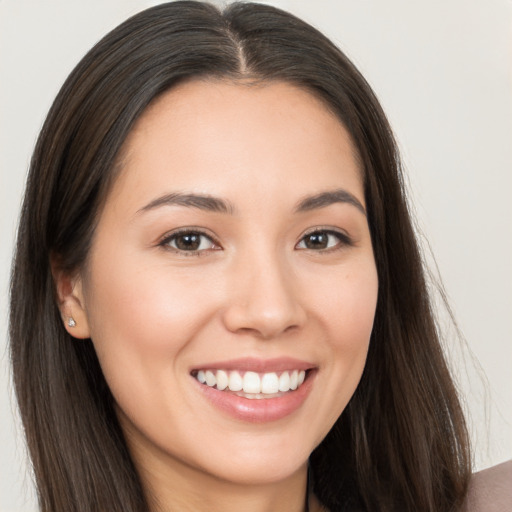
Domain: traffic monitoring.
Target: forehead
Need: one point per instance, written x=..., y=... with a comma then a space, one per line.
x=208, y=136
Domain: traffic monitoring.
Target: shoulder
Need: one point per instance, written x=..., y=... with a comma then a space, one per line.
x=490, y=490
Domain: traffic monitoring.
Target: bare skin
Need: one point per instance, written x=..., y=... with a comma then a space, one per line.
x=277, y=267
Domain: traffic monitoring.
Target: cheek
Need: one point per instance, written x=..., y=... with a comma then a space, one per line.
x=348, y=313
x=134, y=297
x=348, y=306
x=141, y=316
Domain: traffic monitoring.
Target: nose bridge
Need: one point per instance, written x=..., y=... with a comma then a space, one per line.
x=263, y=295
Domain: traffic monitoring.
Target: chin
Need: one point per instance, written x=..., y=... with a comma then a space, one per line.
x=260, y=471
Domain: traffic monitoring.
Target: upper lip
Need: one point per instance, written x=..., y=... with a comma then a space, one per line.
x=258, y=365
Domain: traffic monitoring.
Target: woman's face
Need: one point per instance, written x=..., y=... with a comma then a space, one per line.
x=233, y=248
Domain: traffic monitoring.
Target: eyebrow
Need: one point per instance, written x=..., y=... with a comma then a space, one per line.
x=324, y=199
x=215, y=204
x=200, y=201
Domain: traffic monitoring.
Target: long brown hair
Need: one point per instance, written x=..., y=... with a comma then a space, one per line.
x=401, y=444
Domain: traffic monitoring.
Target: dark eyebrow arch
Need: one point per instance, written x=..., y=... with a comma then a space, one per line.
x=324, y=199
x=200, y=201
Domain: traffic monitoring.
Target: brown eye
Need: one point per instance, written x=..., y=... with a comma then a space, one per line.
x=189, y=241
x=322, y=240
x=317, y=241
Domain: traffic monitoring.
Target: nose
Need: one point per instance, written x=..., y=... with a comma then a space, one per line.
x=263, y=298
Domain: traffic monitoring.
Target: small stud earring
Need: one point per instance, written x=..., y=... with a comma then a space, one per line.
x=71, y=322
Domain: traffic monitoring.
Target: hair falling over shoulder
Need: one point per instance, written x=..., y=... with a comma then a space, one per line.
x=400, y=445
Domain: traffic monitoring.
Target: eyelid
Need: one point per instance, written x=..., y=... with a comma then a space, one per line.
x=167, y=237
x=344, y=238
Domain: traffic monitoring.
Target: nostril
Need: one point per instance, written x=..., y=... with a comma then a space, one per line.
x=260, y=321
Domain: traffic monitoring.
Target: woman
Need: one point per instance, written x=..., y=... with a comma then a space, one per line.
x=217, y=294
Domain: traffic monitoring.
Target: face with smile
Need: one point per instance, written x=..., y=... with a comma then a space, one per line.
x=231, y=286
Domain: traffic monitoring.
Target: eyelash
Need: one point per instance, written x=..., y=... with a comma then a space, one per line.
x=343, y=241
x=167, y=240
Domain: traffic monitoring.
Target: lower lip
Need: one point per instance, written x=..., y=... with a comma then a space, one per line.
x=262, y=410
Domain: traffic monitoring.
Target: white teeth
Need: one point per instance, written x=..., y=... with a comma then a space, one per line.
x=284, y=382
x=252, y=384
x=222, y=380
x=235, y=382
x=294, y=379
x=210, y=378
x=269, y=383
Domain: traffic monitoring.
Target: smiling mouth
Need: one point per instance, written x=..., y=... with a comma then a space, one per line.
x=252, y=385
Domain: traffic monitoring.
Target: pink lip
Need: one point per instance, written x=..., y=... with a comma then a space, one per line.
x=266, y=409
x=253, y=364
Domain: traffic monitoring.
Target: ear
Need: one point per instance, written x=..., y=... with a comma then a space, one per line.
x=71, y=301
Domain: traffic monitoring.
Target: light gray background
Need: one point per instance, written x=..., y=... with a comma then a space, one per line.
x=442, y=70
